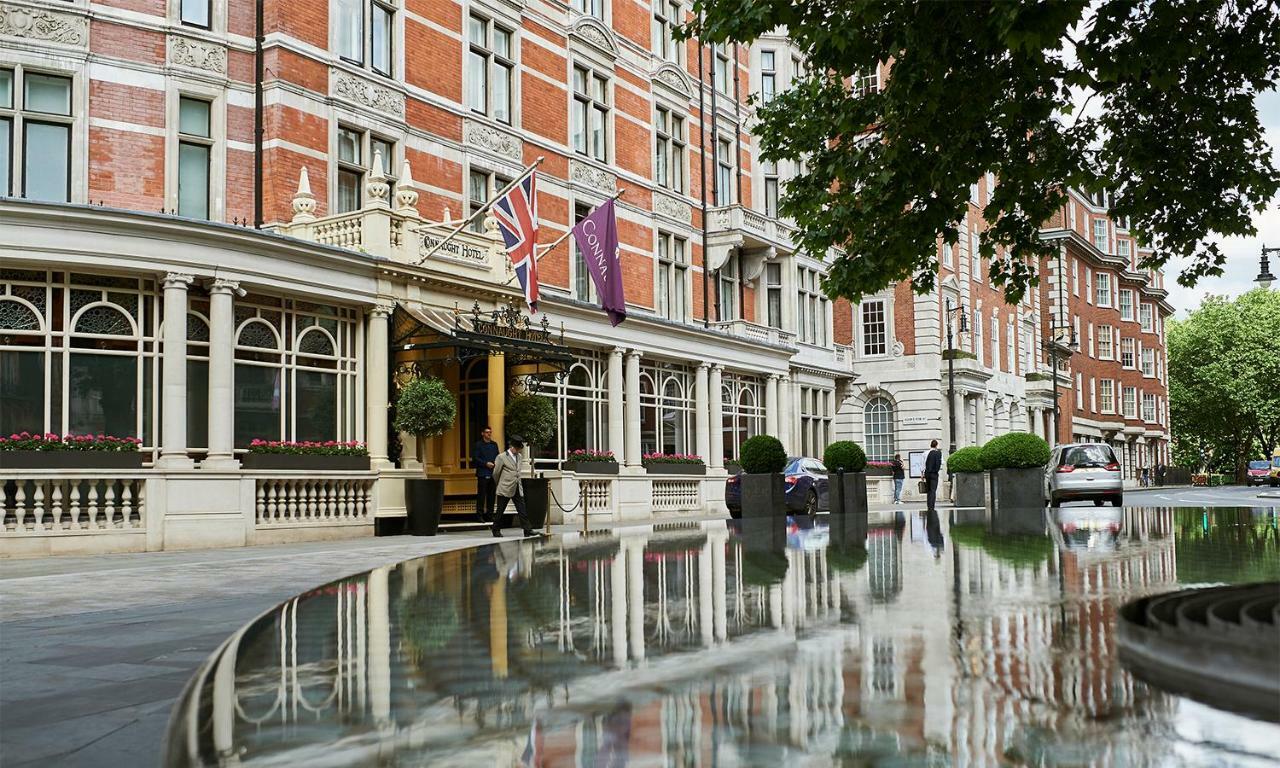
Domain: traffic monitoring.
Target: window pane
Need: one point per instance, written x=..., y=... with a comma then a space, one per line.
x=579, y=80
x=195, y=12
x=502, y=42
x=477, y=81
x=257, y=404
x=601, y=91
x=349, y=17
x=766, y=60
x=6, y=88
x=388, y=154
x=349, y=146
x=21, y=392
x=579, y=126
x=47, y=93
x=197, y=403
x=317, y=406
x=193, y=180
x=193, y=117
x=348, y=191
x=103, y=395
x=381, y=40
x=47, y=162
x=6, y=160
x=502, y=93
x=597, y=133
x=476, y=30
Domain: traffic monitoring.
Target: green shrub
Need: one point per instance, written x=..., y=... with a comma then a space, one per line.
x=764, y=569
x=425, y=407
x=846, y=455
x=965, y=460
x=762, y=455
x=1016, y=450
x=531, y=418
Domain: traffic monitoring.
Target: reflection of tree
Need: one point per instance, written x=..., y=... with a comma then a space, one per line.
x=764, y=568
x=1016, y=550
x=1226, y=545
x=427, y=621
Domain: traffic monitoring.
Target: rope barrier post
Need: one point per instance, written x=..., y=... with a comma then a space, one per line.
x=546, y=519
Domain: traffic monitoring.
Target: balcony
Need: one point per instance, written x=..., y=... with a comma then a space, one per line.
x=758, y=333
x=737, y=225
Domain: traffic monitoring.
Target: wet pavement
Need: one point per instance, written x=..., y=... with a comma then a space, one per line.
x=915, y=640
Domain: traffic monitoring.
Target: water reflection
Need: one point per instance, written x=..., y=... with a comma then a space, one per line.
x=962, y=641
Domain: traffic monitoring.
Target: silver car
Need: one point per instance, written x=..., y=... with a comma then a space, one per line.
x=1080, y=471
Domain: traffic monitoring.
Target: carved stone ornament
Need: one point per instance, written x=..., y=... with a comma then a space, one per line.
x=17, y=21
x=898, y=348
x=595, y=34
x=197, y=55
x=671, y=77
x=672, y=208
x=593, y=177
x=367, y=94
x=490, y=138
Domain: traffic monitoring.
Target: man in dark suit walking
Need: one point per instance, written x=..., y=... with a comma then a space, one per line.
x=483, y=455
x=932, y=466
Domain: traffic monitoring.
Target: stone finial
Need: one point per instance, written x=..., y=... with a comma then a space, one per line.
x=406, y=195
x=304, y=203
x=377, y=189
x=447, y=215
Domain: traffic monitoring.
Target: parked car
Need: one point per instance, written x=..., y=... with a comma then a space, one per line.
x=1083, y=471
x=805, y=485
x=1259, y=472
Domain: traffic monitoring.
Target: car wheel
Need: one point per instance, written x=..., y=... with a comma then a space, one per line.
x=811, y=503
x=1097, y=502
x=1117, y=501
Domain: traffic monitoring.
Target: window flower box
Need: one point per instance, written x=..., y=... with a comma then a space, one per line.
x=326, y=456
x=50, y=451
x=673, y=464
x=589, y=462
x=879, y=469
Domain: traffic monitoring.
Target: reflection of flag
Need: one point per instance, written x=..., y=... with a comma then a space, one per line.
x=532, y=755
x=517, y=216
x=597, y=239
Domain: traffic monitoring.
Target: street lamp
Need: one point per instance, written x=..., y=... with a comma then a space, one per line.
x=951, y=367
x=1265, y=278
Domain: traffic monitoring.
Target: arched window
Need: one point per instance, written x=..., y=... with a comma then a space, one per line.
x=878, y=429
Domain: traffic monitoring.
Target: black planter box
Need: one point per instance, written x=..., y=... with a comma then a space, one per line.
x=969, y=489
x=676, y=469
x=590, y=467
x=847, y=493
x=878, y=471
x=1016, y=489
x=424, y=501
x=304, y=462
x=537, y=495
x=70, y=460
x=762, y=495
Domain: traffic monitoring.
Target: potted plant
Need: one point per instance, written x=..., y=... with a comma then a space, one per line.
x=673, y=464
x=425, y=408
x=315, y=456
x=586, y=461
x=763, y=459
x=846, y=479
x=532, y=418
x=968, y=484
x=1015, y=463
x=49, y=451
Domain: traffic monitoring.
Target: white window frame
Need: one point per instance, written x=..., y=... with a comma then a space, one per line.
x=365, y=58
x=1129, y=402
x=493, y=63
x=1106, y=342
x=1103, y=284
x=1107, y=395
x=1128, y=353
x=873, y=341
x=1126, y=303
x=768, y=75
x=1145, y=315
x=586, y=106
x=20, y=118
x=670, y=148
x=672, y=261
x=667, y=16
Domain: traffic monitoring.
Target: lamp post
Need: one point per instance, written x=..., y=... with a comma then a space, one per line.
x=1265, y=278
x=951, y=367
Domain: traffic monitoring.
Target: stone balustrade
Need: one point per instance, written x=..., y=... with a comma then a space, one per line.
x=48, y=503
x=311, y=501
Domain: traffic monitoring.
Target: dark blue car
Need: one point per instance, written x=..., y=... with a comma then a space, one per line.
x=805, y=482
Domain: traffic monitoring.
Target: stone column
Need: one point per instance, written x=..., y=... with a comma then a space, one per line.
x=618, y=606
x=222, y=331
x=980, y=419
x=380, y=646
x=173, y=442
x=961, y=406
x=617, y=419
x=784, y=412
x=635, y=597
x=497, y=398
x=718, y=593
x=701, y=418
x=705, y=608
x=771, y=407
x=633, y=409
x=716, y=428
x=376, y=380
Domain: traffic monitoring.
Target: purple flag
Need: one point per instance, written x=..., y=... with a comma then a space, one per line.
x=597, y=239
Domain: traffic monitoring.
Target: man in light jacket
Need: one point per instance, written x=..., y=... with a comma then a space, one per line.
x=506, y=480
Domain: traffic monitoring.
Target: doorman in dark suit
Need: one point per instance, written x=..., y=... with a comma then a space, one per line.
x=932, y=466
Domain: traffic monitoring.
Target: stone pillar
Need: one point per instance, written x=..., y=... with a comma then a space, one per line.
x=716, y=430
x=961, y=406
x=635, y=597
x=701, y=417
x=222, y=331
x=633, y=409
x=497, y=398
x=718, y=592
x=771, y=407
x=380, y=646
x=376, y=380
x=617, y=419
x=784, y=412
x=705, y=608
x=173, y=442
x=980, y=419
x=618, y=606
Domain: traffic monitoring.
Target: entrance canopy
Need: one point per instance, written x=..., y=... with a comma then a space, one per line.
x=465, y=335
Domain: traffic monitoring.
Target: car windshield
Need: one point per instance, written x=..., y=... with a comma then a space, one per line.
x=1264, y=464
x=793, y=466
x=1088, y=456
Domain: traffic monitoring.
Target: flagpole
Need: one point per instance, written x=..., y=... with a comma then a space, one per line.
x=488, y=203
x=549, y=248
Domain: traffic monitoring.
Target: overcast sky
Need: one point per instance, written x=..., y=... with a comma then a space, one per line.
x=1242, y=252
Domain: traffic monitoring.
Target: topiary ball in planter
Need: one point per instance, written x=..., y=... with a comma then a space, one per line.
x=846, y=455
x=763, y=454
x=966, y=460
x=1016, y=450
x=425, y=407
x=532, y=418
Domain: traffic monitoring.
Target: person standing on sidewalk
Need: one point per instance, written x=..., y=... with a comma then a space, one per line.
x=899, y=477
x=483, y=455
x=932, y=466
x=506, y=479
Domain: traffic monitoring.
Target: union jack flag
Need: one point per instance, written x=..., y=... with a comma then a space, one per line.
x=517, y=215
